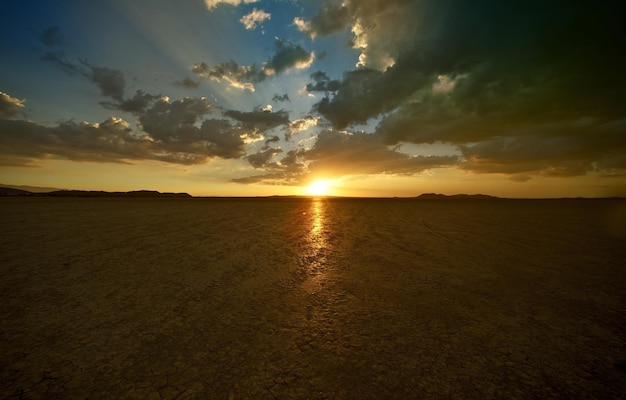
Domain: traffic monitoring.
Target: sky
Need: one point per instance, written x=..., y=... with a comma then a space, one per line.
x=375, y=97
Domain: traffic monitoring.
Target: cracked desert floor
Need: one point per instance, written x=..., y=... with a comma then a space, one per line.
x=298, y=298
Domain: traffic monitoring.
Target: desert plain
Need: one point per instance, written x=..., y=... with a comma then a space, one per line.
x=312, y=298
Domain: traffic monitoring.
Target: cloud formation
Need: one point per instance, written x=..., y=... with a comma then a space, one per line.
x=488, y=79
x=281, y=98
x=255, y=18
x=382, y=29
x=214, y=3
x=180, y=132
x=331, y=18
x=260, y=120
x=338, y=153
x=239, y=76
x=286, y=55
x=10, y=106
x=111, y=82
x=52, y=37
x=187, y=83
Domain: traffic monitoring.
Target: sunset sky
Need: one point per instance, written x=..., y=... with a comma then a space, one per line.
x=377, y=97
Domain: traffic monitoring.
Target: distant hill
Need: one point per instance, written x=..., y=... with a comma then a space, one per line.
x=7, y=191
x=32, y=189
x=436, y=196
x=99, y=193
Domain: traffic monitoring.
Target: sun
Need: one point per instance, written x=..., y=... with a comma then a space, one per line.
x=318, y=188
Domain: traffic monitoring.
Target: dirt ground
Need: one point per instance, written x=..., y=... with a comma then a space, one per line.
x=312, y=299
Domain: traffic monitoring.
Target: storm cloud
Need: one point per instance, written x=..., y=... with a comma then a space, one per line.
x=474, y=72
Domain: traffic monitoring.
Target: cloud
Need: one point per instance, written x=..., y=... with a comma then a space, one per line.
x=111, y=82
x=254, y=18
x=301, y=125
x=281, y=98
x=261, y=120
x=486, y=79
x=241, y=77
x=365, y=93
x=381, y=29
x=341, y=153
x=554, y=151
x=323, y=83
x=170, y=131
x=174, y=121
x=264, y=158
x=187, y=83
x=330, y=19
x=286, y=55
x=110, y=141
x=136, y=104
x=338, y=153
x=214, y=3
x=52, y=37
x=10, y=106
x=290, y=170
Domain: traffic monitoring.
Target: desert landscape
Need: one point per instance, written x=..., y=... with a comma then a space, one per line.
x=312, y=298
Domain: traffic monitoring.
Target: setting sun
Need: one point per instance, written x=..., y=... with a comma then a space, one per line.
x=318, y=188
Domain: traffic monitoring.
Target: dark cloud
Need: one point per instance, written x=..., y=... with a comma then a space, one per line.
x=239, y=76
x=365, y=93
x=548, y=53
x=175, y=121
x=559, y=151
x=10, y=106
x=52, y=37
x=109, y=141
x=263, y=158
x=490, y=77
x=58, y=57
x=187, y=83
x=136, y=104
x=260, y=119
x=111, y=82
x=271, y=139
x=381, y=29
x=286, y=55
x=174, y=132
x=323, y=83
x=281, y=98
x=289, y=170
x=331, y=18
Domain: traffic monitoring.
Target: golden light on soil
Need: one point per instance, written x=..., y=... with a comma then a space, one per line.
x=318, y=188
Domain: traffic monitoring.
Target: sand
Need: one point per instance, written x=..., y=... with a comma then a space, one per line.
x=322, y=299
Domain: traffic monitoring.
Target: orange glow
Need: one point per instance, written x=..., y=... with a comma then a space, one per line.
x=318, y=188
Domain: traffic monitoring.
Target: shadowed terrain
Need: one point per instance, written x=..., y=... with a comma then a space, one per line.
x=312, y=298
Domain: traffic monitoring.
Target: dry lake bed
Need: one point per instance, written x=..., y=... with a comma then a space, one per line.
x=297, y=298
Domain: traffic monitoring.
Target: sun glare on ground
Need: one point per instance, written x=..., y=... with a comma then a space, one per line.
x=318, y=188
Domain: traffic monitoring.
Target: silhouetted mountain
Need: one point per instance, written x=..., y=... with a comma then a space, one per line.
x=100, y=193
x=32, y=189
x=436, y=196
x=5, y=191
